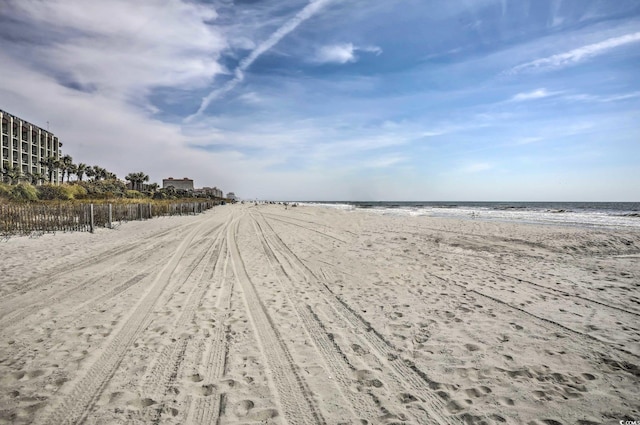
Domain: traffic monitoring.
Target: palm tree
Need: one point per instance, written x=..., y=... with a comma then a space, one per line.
x=9, y=172
x=52, y=164
x=137, y=180
x=3, y=170
x=142, y=177
x=36, y=177
x=14, y=174
x=66, y=163
x=91, y=172
x=131, y=178
x=81, y=169
x=71, y=169
x=98, y=173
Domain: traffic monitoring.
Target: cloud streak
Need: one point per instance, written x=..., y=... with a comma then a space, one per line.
x=532, y=95
x=307, y=12
x=342, y=53
x=575, y=56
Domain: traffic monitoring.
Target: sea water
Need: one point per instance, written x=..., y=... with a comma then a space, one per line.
x=591, y=214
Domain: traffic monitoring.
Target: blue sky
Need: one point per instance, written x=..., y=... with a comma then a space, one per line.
x=339, y=99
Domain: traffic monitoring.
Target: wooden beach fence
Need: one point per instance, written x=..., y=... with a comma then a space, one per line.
x=27, y=219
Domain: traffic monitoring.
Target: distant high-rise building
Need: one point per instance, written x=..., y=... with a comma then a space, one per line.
x=24, y=145
x=210, y=191
x=185, y=183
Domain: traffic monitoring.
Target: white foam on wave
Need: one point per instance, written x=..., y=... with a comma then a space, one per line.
x=531, y=216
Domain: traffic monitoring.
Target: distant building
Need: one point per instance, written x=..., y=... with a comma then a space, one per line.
x=210, y=191
x=184, y=184
x=24, y=145
x=232, y=196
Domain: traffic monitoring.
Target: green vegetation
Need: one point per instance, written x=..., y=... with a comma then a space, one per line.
x=24, y=192
x=99, y=185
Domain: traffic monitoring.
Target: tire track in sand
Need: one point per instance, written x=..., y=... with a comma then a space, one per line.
x=73, y=406
x=362, y=405
x=16, y=308
x=206, y=409
x=160, y=380
x=293, y=395
x=63, y=271
x=404, y=371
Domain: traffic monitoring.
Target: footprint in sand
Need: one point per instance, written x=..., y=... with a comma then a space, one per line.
x=368, y=379
x=141, y=403
x=263, y=415
x=359, y=350
x=506, y=401
x=471, y=347
x=455, y=406
x=196, y=377
x=207, y=390
x=477, y=392
x=243, y=408
x=406, y=398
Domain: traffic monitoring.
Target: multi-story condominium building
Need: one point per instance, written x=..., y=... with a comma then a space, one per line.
x=210, y=191
x=185, y=183
x=24, y=145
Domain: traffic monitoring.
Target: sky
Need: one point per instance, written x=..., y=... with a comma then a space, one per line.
x=433, y=100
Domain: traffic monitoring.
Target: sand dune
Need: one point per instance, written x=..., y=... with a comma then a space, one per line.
x=257, y=314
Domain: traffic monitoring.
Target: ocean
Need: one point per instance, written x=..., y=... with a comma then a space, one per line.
x=590, y=214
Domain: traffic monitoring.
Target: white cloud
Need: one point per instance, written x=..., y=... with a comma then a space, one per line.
x=251, y=98
x=575, y=56
x=120, y=48
x=337, y=53
x=532, y=95
x=603, y=99
x=342, y=53
x=307, y=12
x=371, y=49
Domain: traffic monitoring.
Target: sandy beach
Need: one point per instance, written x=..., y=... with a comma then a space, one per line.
x=310, y=315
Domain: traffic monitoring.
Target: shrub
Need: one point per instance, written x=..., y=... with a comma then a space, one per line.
x=51, y=192
x=103, y=189
x=133, y=194
x=76, y=191
x=5, y=191
x=24, y=192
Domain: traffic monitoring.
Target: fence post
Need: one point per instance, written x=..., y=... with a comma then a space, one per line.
x=110, y=217
x=91, y=222
x=150, y=214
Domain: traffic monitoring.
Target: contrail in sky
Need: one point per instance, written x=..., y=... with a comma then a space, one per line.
x=307, y=12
